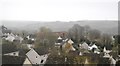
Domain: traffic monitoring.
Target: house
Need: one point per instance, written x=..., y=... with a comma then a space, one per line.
x=94, y=48
x=84, y=46
x=59, y=41
x=35, y=58
x=68, y=46
x=10, y=37
x=70, y=41
x=31, y=37
x=106, y=52
x=18, y=38
x=13, y=53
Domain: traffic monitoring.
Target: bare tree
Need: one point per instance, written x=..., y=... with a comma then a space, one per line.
x=94, y=35
x=106, y=39
x=45, y=37
x=76, y=33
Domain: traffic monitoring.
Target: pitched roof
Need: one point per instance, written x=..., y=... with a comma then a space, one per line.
x=84, y=45
x=59, y=38
x=35, y=58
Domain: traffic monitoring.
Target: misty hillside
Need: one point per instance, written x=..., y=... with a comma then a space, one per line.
x=110, y=27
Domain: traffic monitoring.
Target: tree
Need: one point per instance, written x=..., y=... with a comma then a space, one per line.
x=106, y=39
x=86, y=31
x=45, y=37
x=94, y=34
x=76, y=33
x=8, y=47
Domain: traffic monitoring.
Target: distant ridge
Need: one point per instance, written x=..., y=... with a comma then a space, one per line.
x=106, y=26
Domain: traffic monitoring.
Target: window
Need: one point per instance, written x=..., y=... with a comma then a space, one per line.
x=42, y=61
x=36, y=56
x=14, y=53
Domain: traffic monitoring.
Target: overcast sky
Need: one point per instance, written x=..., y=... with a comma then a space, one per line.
x=58, y=10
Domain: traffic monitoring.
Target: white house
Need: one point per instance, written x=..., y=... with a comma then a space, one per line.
x=59, y=41
x=35, y=58
x=10, y=38
x=97, y=51
x=69, y=43
x=93, y=46
x=30, y=38
x=13, y=53
x=59, y=38
x=85, y=46
x=106, y=51
x=106, y=55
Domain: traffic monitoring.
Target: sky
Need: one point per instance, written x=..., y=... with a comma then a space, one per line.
x=58, y=10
